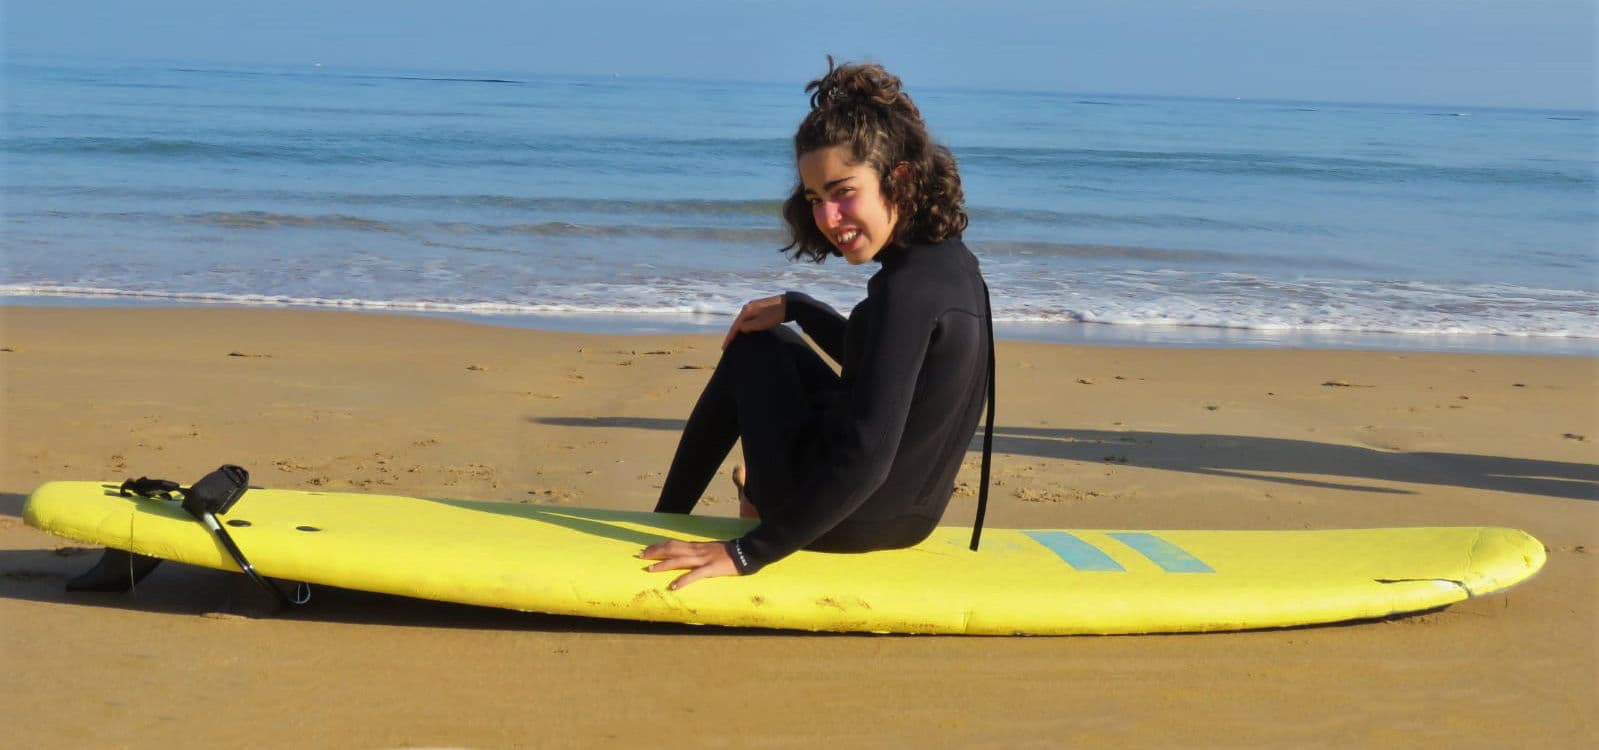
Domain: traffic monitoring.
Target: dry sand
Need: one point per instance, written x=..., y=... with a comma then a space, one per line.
x=1088, y=437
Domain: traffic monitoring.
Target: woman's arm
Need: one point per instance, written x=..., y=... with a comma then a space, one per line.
x=822, y=323
x=863, y=443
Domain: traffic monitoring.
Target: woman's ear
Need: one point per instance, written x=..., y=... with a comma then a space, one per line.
x=900, y=181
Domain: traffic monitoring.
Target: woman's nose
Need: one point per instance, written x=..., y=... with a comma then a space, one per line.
x=825, y=213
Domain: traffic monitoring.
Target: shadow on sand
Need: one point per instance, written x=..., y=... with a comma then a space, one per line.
x=1257, y=458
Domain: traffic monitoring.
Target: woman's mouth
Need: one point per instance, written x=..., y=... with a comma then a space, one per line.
x=845, y=237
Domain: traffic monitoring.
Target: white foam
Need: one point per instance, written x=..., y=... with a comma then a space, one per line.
x=277, y=300
x=1164, y=299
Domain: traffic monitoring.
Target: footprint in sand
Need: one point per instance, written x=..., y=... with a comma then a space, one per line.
x=551, y=496
x=1054, y=495
x=227, y=616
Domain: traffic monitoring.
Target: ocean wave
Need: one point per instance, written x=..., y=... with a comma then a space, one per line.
x=998, y=248
x=351, y=303
x=268, y=220
x=773, y=235
x=680, y=209
x=703, y=207
x=179, y=148
x=177, y=194
x=440, y=79
x=1234, y=320
x=320, y=72
x=1433, y=312
x=1236, y=164
x=1251, y=302
x=1153, y=220
x=265, y=220
x=441, y=147
x=564, y=229
x=683, y=209
x=648, y=153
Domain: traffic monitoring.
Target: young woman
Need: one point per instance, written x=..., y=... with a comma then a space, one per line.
x=865, y=459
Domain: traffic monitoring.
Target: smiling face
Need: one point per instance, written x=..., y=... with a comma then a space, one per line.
x=847, y=203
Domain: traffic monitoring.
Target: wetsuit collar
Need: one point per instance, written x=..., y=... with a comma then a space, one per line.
x=892, y=255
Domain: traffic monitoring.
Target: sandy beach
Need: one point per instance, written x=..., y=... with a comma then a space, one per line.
x=1085, y=437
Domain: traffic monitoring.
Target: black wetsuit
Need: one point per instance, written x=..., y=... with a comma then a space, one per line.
x=865, y=459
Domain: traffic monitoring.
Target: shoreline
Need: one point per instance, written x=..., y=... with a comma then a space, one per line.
x=1086, y=437
x=1067, y=333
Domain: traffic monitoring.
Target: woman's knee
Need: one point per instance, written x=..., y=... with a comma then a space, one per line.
x=758, y=345
x=788, y=336
x=779, y=340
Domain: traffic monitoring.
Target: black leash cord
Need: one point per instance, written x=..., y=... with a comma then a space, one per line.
x=215, y=493
x=210, y=522
x=988, y=430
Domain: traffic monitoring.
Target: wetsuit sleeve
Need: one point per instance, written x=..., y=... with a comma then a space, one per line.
x=822, y=323
x=862, y=444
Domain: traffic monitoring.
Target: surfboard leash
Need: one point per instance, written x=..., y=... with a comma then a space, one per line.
x=216, y=493
x=988, y=429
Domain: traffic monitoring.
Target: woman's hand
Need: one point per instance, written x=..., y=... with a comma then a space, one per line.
x=702, y=559
x=759, y=315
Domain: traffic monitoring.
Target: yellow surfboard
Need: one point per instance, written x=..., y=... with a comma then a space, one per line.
x=582, y=562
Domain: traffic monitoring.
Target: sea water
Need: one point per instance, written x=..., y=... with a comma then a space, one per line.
x=631, y=205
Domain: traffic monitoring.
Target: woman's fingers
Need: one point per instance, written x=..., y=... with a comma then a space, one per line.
x=677, y=562
x=703, y=571
x=701, y=559
x=674, y=555
x=739, y=323
x=666, y=550
x=758, y=315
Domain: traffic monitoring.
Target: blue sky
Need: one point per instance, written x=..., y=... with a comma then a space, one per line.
x=1527, y=53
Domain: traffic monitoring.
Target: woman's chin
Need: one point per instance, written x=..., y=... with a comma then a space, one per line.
x=857, y=255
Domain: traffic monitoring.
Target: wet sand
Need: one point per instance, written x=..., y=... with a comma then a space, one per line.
x=1087, y=436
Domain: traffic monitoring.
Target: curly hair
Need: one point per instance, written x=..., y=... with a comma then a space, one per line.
x=861, y=106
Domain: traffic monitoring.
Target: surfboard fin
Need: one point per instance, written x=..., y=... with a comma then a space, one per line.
x=116, y=572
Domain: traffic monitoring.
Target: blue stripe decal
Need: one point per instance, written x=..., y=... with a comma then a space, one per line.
x=1170, y=557
x=1077, y=553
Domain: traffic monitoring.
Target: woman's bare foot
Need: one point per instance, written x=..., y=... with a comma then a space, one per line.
x=746, y=509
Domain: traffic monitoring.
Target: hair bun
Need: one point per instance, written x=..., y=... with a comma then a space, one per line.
x=856, y=84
